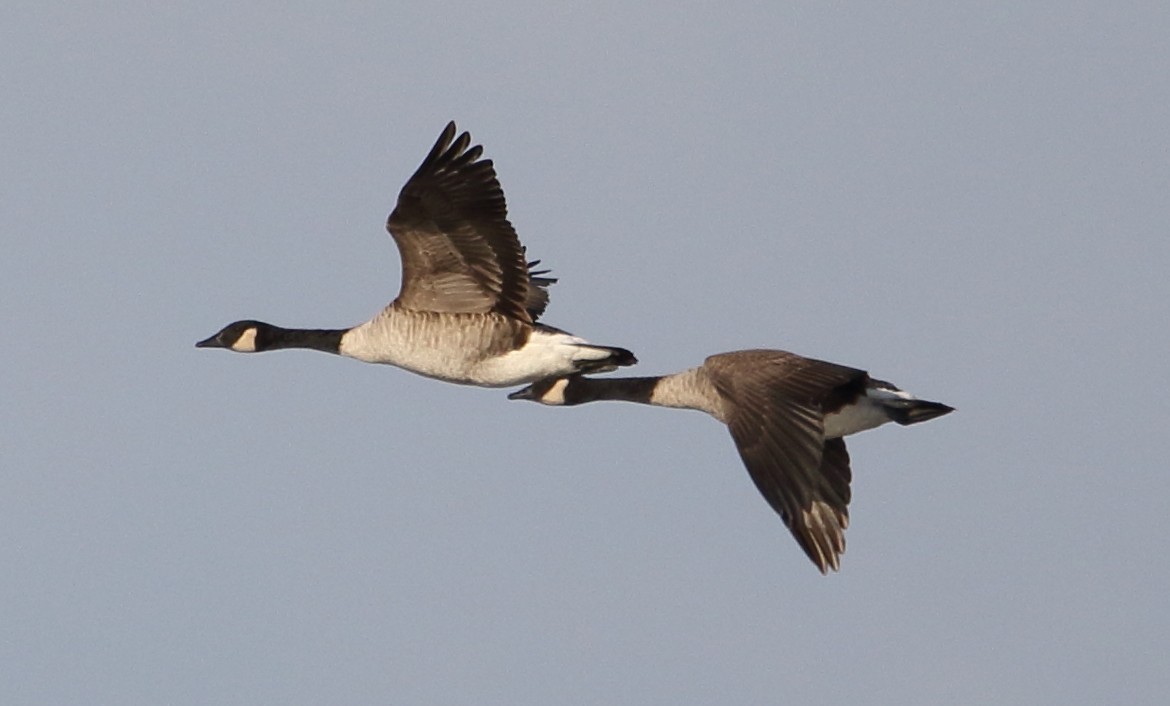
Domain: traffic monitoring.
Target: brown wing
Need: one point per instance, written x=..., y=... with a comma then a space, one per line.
x=776, y=421
x=459, y=252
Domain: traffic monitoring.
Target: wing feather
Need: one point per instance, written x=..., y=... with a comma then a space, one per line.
x=459, y=251
x=776, y=421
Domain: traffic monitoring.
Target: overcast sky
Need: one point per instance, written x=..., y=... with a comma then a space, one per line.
x=970, y=202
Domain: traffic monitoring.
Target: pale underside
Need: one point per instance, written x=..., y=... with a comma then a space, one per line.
x=487, y=350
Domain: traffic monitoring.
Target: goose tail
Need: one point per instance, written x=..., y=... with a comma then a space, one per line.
x=907, y=412
x=600, y=359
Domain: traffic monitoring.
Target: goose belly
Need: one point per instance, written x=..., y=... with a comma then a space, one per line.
x=472, y=349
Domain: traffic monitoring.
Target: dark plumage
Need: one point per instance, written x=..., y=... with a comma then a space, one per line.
x=787, y=415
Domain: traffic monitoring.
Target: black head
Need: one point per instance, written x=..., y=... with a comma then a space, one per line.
x=241, y=336
x=550, y=391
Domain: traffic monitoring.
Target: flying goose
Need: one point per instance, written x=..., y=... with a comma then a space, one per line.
x=788, y=416
x=467, y=309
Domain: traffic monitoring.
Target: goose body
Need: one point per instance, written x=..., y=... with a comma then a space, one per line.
x=788, y=416
x=469, y=301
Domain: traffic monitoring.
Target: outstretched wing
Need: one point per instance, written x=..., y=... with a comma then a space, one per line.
x=776, y=420
x=459, y=252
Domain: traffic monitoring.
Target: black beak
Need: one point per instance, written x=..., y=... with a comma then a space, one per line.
x=522, y=394
x=212, y=342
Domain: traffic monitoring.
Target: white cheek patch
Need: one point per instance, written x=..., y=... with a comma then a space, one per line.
x=246, y=343
x=556, y=394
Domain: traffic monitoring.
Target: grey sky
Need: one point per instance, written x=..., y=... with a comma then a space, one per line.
x=970, y=202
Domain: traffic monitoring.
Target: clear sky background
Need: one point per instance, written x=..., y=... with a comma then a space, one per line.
x=969, y=201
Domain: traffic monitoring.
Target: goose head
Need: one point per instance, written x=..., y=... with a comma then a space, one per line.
x=240, y=336
x=549, y=391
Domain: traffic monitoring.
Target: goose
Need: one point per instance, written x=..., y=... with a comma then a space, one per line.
x=469, y=302
x=788, y=416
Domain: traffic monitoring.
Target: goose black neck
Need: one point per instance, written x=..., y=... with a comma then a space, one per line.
x=318, y=339
x=632, y=389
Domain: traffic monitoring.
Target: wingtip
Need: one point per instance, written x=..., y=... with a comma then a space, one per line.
x=826, y=563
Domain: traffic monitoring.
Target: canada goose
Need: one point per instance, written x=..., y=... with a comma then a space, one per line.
x=787, y=415
x=467, y=309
